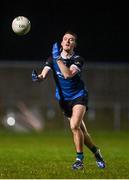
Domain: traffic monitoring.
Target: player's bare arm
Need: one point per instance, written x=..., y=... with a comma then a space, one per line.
x=44, y=73
x=67, y=72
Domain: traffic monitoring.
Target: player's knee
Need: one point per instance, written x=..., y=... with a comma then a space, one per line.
x=74, y=127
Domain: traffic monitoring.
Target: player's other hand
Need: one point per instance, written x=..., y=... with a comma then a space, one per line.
x=55, y=51
x=34, y=76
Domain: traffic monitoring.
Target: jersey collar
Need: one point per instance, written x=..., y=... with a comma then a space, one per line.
x=66, y=57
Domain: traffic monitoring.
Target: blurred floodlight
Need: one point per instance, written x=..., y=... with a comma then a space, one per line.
x=11, y=121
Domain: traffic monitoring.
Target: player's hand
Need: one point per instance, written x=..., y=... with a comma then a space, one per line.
x=55, y=51
x=34, y=76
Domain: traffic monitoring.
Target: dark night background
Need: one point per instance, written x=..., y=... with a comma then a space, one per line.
x=102, y=28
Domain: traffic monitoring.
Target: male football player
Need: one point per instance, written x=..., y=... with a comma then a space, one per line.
x=71, y=94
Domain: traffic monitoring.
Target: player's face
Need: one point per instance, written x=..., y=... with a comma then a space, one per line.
x=68, y=42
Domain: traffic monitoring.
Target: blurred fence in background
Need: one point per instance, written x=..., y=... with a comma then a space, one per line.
x=26, y=106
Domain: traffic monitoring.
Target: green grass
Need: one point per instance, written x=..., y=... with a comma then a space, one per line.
x=49, y=155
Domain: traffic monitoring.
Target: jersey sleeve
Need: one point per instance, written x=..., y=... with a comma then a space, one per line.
x=78, y=62
x=48, y=62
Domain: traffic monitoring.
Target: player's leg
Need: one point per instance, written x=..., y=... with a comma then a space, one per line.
x=78, y=112
x=89, y=143
x=87, y=138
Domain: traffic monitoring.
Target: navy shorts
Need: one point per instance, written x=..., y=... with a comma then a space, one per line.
x=67, y=106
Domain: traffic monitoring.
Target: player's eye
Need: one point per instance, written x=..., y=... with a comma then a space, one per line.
x=65, y=39
x=71, y=39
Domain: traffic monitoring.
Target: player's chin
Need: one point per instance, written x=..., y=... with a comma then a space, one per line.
x=67, y=48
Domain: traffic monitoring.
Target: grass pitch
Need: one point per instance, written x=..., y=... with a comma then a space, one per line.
x=49, y=155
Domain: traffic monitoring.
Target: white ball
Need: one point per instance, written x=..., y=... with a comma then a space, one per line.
x=21, y=25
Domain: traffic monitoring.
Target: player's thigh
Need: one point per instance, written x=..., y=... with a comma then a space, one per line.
x=78, y=112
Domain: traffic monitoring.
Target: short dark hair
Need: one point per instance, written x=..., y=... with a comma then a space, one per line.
x=72, y=33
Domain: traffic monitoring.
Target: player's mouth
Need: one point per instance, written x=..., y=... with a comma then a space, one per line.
x=67, y=45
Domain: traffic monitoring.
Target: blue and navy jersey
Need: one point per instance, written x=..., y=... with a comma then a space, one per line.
x=70, y=88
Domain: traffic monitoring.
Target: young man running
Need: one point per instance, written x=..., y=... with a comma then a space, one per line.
x=71, y=94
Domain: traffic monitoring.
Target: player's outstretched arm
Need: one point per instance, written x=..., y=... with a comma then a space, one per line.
x=44, y=73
